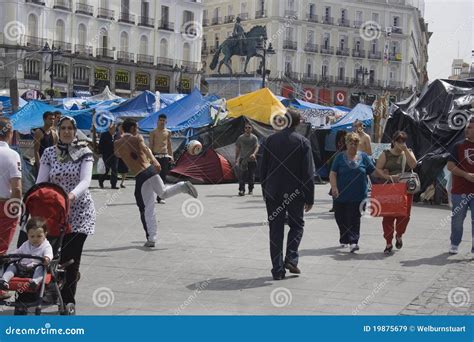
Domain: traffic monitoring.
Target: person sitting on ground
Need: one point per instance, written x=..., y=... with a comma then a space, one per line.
x=36, y=245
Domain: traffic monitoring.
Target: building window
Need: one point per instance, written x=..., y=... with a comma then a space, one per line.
x=32, y=67
x=310, y=37
x=396, y=21
x=164, y=48
x=145, y=9
x=375, y=17
x=327, y=12
x=309, y=69
x=341, y=73
x=312, y=10
x=326, y=40
x=80, y=73
x=165, y=15
x=324, y=70
x=144, y=45
x=60, y=71
x=186, y=52
x=60, y=31
x=343, y=14
x=188, y=17
x=82, y=34
x=124, y=41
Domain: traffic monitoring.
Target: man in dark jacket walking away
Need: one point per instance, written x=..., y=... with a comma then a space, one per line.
x=106, y=149
x=286, y=174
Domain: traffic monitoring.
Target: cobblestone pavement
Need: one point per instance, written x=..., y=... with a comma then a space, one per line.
x=212, y=258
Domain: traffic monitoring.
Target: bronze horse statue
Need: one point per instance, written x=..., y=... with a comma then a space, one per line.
x=231, y=47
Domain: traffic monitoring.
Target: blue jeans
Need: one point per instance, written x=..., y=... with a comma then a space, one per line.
x=461, y=203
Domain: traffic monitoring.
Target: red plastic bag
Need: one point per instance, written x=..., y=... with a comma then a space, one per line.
x=389, y=200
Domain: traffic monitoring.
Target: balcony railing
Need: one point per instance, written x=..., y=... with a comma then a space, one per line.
x=309, y=47
x=229, y=19
x=260, y=14
x=244, y=16
x=310, y=77
x=60, y=79
x=327, y=50
x=290, y=45
x=35, y=42
x=395, y=84
x=125, y=56
x=84, y=9
x=344, y=22
x=375, y=55
x=326, y=78
x=146, y=59
x=292, y=75
x=164, y=62
x=36, y=2
x=205, y=22
x=84, y=50
x=327, y=20
x=63, y=5
x=80, y=81
x=189, y=66
x=397, y=30
x=32, y=76
x=216, y=21
x=343, y=80
x=358, y=23
x=66, y=47
x=312, y=17
x=358, y=53
x=395, y=57
x=105, y=13
x=342, y=52
x=104, y=53
x=126, y=17
x=146, y=21
x=166, y=25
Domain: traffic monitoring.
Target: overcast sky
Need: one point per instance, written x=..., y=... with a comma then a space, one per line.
x=451, y=22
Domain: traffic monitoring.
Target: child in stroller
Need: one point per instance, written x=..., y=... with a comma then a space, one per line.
x=36, y=245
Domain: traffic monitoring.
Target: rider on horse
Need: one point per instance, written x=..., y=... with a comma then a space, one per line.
x=239, y=33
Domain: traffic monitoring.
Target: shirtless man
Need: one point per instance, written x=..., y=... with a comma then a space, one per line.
x=137, y=156
x=365, y=140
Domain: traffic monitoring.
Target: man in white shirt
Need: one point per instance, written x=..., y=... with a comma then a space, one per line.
x=10, y=188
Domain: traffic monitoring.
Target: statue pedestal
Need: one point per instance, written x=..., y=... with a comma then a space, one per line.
x=230, y=87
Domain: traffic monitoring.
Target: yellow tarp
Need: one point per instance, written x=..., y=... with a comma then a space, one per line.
x=259, y=106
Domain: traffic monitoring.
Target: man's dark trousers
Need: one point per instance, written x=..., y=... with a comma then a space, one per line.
x=165, y=166
x=111, y=164
x=276, y=217
x=248, y=176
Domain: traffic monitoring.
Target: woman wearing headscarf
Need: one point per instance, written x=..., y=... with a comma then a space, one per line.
x=391, y=162
x=349, y=187
x=69, y=165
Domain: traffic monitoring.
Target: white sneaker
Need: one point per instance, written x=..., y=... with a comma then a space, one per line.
x=192, y=191
x=343, y=245
x=453, y=250
x=354, y=247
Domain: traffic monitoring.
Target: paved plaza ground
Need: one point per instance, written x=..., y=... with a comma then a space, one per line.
x=212, y=258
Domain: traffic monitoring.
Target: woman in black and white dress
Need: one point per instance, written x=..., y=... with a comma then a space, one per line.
x=69, y=164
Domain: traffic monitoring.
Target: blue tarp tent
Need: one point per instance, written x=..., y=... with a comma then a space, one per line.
x=360, y=112
x=139, y=106
x=31, y=116
x=7, y=104
x=314, y=113
x=168, y=99
x=191, y=111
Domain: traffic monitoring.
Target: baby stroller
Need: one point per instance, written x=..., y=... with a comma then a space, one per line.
x=51, y=203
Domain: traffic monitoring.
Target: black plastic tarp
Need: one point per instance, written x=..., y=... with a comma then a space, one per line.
x=434, y=122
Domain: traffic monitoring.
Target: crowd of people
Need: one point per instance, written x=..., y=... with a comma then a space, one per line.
x=286, y=175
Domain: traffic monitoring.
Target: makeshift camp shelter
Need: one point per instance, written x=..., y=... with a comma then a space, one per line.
x=104, y=96
x=316, y=114
x=259, y=105
x=434, y=122
x=208, y=167
x=191, y=111
x=138, y=107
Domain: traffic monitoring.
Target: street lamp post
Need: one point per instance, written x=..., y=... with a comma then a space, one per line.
x=265, y=50
x=53, y=52
x=179, y=70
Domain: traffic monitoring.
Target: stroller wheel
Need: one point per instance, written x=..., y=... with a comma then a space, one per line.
x=70, y=309
x=20, y=311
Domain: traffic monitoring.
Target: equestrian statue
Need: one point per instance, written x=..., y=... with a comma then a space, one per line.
x=240, y=44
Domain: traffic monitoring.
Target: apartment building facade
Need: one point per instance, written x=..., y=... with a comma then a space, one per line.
x=329, y=52
x=129, y=46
